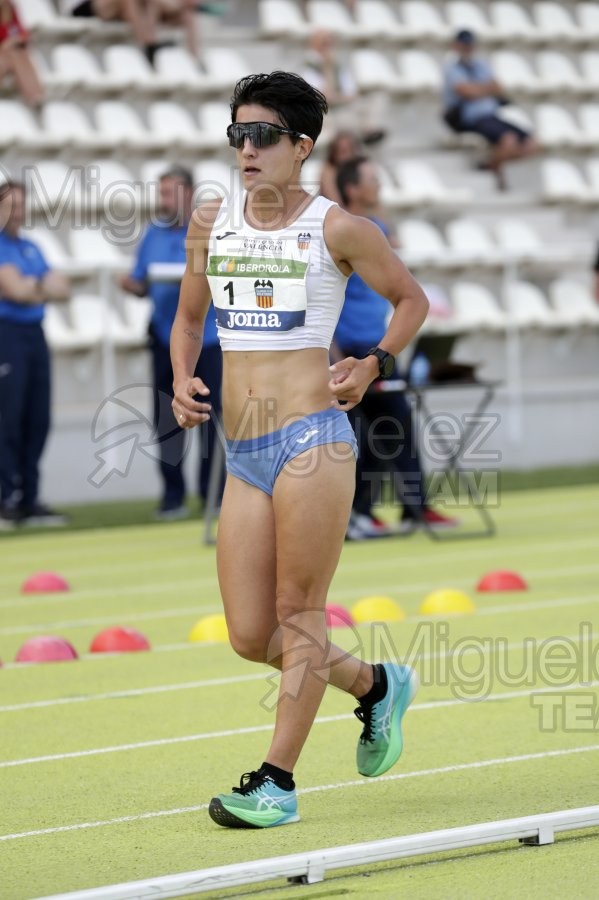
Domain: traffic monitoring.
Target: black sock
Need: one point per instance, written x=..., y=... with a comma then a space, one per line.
x=281, y=778
x=379, y=686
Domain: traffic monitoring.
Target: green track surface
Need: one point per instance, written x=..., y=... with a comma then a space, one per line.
x=117, y=811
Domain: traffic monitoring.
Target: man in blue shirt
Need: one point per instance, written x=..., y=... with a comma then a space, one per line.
x=382, y=421
x=164, y=242
x=26, y=284
x=471, y=99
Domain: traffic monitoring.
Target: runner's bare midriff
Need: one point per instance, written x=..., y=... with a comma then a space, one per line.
x=265, y=390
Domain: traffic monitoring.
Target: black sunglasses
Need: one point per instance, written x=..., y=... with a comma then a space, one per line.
x=261, y=134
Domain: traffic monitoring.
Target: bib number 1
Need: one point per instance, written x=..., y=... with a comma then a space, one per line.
x=229, y=287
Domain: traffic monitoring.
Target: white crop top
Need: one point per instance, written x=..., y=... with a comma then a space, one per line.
x=273, y=290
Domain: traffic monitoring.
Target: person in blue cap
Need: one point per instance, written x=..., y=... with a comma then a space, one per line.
x=472, y=98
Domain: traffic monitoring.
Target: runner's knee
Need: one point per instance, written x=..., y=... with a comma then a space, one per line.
x=249, y=647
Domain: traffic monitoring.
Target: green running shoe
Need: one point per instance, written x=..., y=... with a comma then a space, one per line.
x=381, y=743
x=257, y=803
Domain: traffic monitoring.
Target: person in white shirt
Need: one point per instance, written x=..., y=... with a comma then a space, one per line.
x=275, y=261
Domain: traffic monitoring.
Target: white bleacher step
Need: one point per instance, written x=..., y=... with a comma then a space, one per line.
x=511, y=23
x=573, y=302
x=334, y=16
x=377, y=20
x=282, y=19
x=477, y=308
x=527, y=307
x=422, y=20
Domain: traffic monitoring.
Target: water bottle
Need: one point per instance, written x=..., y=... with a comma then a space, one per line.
x=420, y=370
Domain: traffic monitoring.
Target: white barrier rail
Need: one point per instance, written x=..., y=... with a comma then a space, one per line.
x=311, y=867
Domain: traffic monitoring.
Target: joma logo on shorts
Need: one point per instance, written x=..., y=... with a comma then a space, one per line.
x=253, y=320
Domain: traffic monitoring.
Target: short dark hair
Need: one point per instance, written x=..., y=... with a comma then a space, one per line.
x=299, y=106
x=349, y=173
x=465, y=36
x=180, y=173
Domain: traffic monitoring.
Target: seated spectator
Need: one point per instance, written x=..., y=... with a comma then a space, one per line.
x=345, y=145
x=471, y=100
x=143, y=16
x=324, y=70
x=15, y=59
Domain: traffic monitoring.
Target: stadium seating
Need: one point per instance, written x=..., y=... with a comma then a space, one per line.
x=113, y=123
x=563, y=182
x=282, y=19
x=420, y=183
x=423, y=20
x=120, y=124
x=557, y=127
x=421, y=243
x=419, y=71
x=476, y=308
x=373, y=71
x=515, y=72
x=511, y=22
x=334, y=16
x=471, y=243
x=573, y=302
x=555, y=23
x=508, y=273
x=527, y=306
x=464, y=14
x=126, y=67
x=587, y=16
x=377, y=19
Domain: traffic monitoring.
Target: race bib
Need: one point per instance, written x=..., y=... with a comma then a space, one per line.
x=259, y=283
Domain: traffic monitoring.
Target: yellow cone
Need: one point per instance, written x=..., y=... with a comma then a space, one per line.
x=210, y=628
x=377, y=609
x=447, y=602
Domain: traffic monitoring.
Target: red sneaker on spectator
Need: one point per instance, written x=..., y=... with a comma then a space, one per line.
x=430, y=519
x=436, y=519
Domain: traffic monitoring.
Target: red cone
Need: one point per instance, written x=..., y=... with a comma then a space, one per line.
x=119, y=640
x=44, y=583
x=502, y=580
x=46, y=648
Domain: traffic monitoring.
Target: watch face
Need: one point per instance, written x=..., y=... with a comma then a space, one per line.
x=387, y=365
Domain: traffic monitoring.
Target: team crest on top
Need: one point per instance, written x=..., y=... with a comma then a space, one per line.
x=303, y=240
x=264, y=245
x=264, y=293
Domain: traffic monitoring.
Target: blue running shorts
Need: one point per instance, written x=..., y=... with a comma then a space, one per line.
x=258, y=461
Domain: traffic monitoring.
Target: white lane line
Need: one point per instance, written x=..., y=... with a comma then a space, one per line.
x=183, y=612
x=240, y=679
x=346, y=567
x=523, y=606
x=149, y=587
x=115, y=549
x=170, y=613
x=102, y=657
x=256, y=729
x=136, y=692
x=358, y=782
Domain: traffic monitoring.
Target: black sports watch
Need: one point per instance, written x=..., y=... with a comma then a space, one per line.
x=386, y=361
